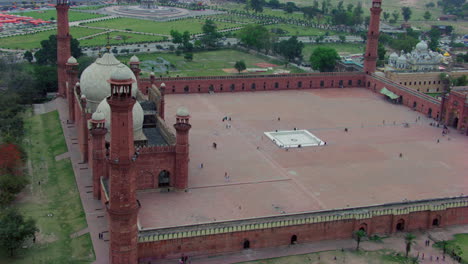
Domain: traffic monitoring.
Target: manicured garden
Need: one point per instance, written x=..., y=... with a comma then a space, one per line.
x=209, y=63
x=193, y=25
x=341, y=48
x=118, y=38
x=295, y=30
x=52, y=13
x=33, y=41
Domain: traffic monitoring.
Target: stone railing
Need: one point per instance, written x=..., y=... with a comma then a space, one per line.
x=356, y=213
x=157, y=149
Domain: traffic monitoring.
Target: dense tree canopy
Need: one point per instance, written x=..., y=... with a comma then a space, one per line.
x=324, y=59
x=240, y=66
x=14, y=230
x=256, y=36
x=290, y=49
x=210, y=34
x=406, y=12
x=47, y=55
x=256, y=5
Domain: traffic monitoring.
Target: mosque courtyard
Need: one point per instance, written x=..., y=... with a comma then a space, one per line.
x=359, y=167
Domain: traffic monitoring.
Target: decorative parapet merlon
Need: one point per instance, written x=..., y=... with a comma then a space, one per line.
x=357, y=213
x=157, y=149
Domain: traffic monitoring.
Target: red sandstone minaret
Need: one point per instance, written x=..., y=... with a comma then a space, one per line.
x=135, y=67
x=123, y=206
x=182, y=127
x=63, y=44
x=162, y=89
x=98, y=132
x=370, y=57
x=72, y=79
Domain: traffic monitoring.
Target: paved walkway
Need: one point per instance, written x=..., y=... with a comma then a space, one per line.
x=96, y=216
x=395, y=242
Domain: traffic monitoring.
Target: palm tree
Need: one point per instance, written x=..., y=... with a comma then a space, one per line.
x=358, y=235
x=409, y=240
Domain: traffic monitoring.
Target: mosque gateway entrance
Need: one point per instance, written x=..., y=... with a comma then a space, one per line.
x=163, y=179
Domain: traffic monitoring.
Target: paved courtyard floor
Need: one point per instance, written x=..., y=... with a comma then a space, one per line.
x=355, y=168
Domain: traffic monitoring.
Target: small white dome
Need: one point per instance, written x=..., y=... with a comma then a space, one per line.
x=182, y=111
x=77, y=84
x=134, y=59
x=137, y=113
x=121, y=73
x=394, y=55
x=152, y=73
x=72, y=60
x=421, y=46
x=98, y=116
x=401, y=59
x=94, y=80
x=83, y=97
x=163, y=85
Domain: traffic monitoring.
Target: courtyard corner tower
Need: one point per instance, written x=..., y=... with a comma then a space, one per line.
x=182, y=127
x=370, y=57
x=63, y=44
x=98, y=143
x=123, y=206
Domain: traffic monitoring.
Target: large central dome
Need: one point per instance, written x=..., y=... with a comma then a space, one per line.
x=93, y=81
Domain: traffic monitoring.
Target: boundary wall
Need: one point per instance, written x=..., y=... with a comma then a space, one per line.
x=273, y=231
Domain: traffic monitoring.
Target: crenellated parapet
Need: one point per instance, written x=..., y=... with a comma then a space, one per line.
x=315, y=217
x=157, y=149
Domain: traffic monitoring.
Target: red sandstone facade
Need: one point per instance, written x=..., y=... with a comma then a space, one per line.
x=120, y=169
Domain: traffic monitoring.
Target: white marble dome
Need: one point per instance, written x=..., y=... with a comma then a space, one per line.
x=93, y=81
x=98, y=116
x=134, y=59
x=182, y=111
x=72, y=60
x=137, y=113
x=401, y=59
x=120, y=73
x=421, y=46
x=394, y=55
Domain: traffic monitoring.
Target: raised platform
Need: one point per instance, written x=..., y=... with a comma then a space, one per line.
x=360, y=167
x=294, y=139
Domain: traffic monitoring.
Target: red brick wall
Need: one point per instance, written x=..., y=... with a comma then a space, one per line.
x=261, y=82
x=279, y=236
x=421, y=103
x=148, y=166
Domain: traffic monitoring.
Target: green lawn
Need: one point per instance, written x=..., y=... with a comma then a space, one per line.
x=48, y=14
x=194, y=26
x=94, y=7
x=461, y=240
x=294, y=30
x=327, y=257
x=208, y=63
x=341, y=48
x=54, y=203
x=33, y=41
x=116, y=39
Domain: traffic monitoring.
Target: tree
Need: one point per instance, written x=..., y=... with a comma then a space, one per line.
x=434, y=38
x=290, y=7
x=210, y=34
x=47, y=55
x=256, y=5
x=188, y=56
x=290, y=49
x=28, y=56
x=409, y=240
x=406, y=12
x=395, y=16
x=381, y=54
x=427, y=15
x=255, y=36
x=324, y=59
x=342, y=38
x=176, y=37
x=358, y=236
x=310, y=12
x=386, y=16
x=240, y=66
x=274, y=4
x=14, y=230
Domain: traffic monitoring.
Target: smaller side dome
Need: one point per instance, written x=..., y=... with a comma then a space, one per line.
x=77, y=83
x=134, y=59
x=394, y=55
x=98, y=116
x=402, y=59
x=182, y=111
x=152, y=73
x=421, y=46
x=121, y=73
x=163, y=85
x=72, y=60
x=83, y=97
